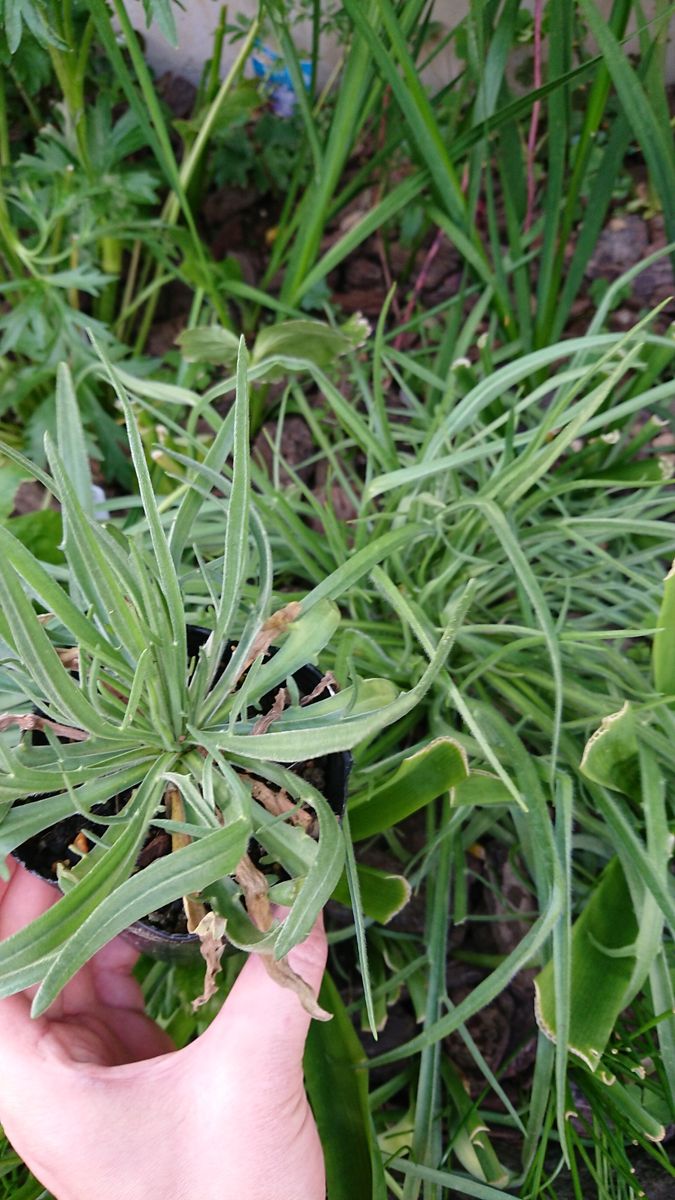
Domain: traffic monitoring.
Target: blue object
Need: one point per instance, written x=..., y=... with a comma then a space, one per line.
x=278, y=79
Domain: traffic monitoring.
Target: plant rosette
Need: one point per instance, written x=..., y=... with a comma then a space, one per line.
x=168, y=934
x=144, y=737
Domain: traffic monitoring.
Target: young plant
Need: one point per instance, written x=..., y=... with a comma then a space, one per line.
x=98, y=653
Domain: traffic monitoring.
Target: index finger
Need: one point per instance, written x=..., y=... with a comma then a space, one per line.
x=22, y=898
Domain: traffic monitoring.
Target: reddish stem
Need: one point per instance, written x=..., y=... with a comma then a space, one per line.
x=419, y=284
x=536, y=109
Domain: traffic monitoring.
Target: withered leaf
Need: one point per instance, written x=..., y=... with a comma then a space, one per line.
x=211, y=934
x=256, y=893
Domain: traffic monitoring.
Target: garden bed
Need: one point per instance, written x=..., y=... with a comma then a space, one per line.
x=507, y=423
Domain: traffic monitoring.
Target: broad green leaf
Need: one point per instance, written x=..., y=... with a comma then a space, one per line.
x=663, y=652
x=292, y=746
x=337, y=1083
x=209, y=344
x=162, y=12
x=41, y=532
x=11, y=478
x=303, y=640
x=480, y=788
x=417, y=781
x=365, y=696
x=603, y=958
x=314, y=341
x=383, y=894
x=611, y=754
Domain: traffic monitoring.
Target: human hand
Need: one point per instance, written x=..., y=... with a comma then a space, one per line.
x=101, y=1107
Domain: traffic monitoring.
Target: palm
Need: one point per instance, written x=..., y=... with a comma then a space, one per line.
x=96, y=1063
x=99, y=1016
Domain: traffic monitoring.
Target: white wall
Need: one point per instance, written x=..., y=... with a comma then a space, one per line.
x=196, y=21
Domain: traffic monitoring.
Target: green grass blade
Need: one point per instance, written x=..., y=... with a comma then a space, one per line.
x=655, y=140
x=337, y=1084
x=359, y=927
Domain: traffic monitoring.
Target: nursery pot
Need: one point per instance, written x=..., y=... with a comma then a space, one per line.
x=147, y=937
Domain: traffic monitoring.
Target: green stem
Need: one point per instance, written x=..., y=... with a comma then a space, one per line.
x=5, y=158
x=9, y=244
x=111, y=262
x=129, y=286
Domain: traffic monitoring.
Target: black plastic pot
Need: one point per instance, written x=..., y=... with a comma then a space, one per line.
x=177, y=947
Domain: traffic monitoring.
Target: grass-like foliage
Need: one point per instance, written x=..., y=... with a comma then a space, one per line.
x=102, y=659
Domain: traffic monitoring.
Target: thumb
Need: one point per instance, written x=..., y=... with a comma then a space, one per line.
x=265, y=1021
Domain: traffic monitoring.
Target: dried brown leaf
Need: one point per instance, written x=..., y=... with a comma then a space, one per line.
x=280, y=701
x=33, y=721
x=256, y=893
x=327, y=681
x=211, y=934
x=282, y=973
x=278, y=803
x=70, y=657
x=275, y=625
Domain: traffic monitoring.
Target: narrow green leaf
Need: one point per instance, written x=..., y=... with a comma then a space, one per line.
x=70, y=439
x=655, y=140
x=663, y=652
x=44, y=664
x=353, y=886
x=323, y=874
x=25, y=820
x=25, y=955
x=337, y=1083
x=165, y=879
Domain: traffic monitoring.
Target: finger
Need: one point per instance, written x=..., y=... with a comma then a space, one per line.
x=24, y=898
x=263, y=1021
x=10, y=866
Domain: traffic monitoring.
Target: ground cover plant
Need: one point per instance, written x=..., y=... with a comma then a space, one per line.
x=506, y=428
